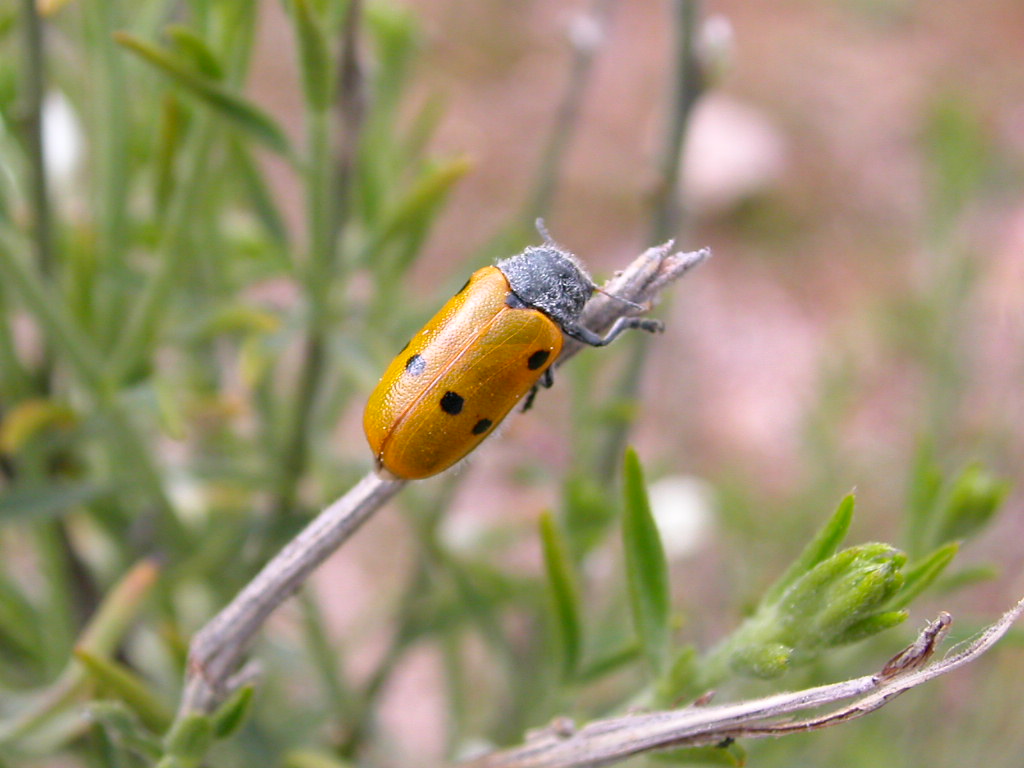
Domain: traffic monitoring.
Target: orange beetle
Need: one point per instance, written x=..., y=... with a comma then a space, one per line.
x=491, y=344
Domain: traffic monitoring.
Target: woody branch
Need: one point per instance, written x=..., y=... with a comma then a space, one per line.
x=218, y=648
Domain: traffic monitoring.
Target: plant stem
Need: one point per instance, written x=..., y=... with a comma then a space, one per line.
x=667, y=213
x=111, y=130
x=686, y=88
x=585, y=48
x=34, y=87
x=142, y=321
x=329, y=173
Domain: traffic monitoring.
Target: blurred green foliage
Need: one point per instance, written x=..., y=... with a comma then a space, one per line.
x=167, y=426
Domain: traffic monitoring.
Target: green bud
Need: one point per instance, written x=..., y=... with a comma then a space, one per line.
x=867, y=584
x=765, y=661
x=971, y=502
x=836, y=601
x=869, y=626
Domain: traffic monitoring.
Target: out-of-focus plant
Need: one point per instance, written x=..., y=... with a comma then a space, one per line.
x=174, y=357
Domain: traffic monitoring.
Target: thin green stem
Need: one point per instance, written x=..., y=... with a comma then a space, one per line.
x=586, y=47
x=667, y=217
x=14, y=379
x=34, y=87
x=340, y=698
x=60, y=330
x=686, y=88
x=112, y=131
x=329, y=176
x=319, y=268
x=142, y=321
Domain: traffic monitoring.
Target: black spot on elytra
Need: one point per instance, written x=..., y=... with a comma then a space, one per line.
x=481, y=426
x=451, y=403
x=415, y=365
x=537, y=359
x=465, y=285
x=405, y=347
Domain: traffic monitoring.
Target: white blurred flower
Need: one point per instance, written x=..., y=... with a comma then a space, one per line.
x=683, y=508
x=62, y=138
x=732, y=151
x=716, y=48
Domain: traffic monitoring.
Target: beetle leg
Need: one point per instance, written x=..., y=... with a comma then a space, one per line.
x=546, y=380
x=587, y=336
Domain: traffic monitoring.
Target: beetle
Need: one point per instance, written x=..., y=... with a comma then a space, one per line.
x=492, y=343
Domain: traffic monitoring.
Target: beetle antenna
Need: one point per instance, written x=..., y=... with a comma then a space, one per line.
x=632, y=304
x=542, y=228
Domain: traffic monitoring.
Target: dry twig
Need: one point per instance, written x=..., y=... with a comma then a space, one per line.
x=604, y=742
x=218, y=648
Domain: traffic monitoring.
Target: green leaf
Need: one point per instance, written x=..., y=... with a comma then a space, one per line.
x=169, y=137
x=190, y=44
x=646, y=567
x=921, y=574
x=677, y=683
x=729, y=753
x=415, y=212
x=53, y=500
x=232, y=713
x=609, y=663
x=242, y=113
x=564, y=593
x=825, y=544
x=189, y=738
x=589, y=512
x=968, y=577
x=20, y=623
x=261, y=201
x=317, y=70
x=126, y=685
x=124, y=728
x=925, y=486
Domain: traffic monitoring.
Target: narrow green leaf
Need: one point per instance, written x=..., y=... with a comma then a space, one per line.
x=262, y=202
x=646, y=567
x=308, y=758
x=53, y=500
x=414, y=212
x=609, y=663
x=168, y=142
x=925, y=486
x=564, y=593
x=729, y=753
x=588, y=513
x=124, y=727
x=232, y=713
x=190, y=44
x=237, y=109
x=825, y=544
x=189, y=738
x=677, y=682
x=968, y=577
x=129, y=687
x=317, y=71
x=20, y=623
x=921, y=574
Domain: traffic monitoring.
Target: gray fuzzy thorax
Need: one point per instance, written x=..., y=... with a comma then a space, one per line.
x=551, y=280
